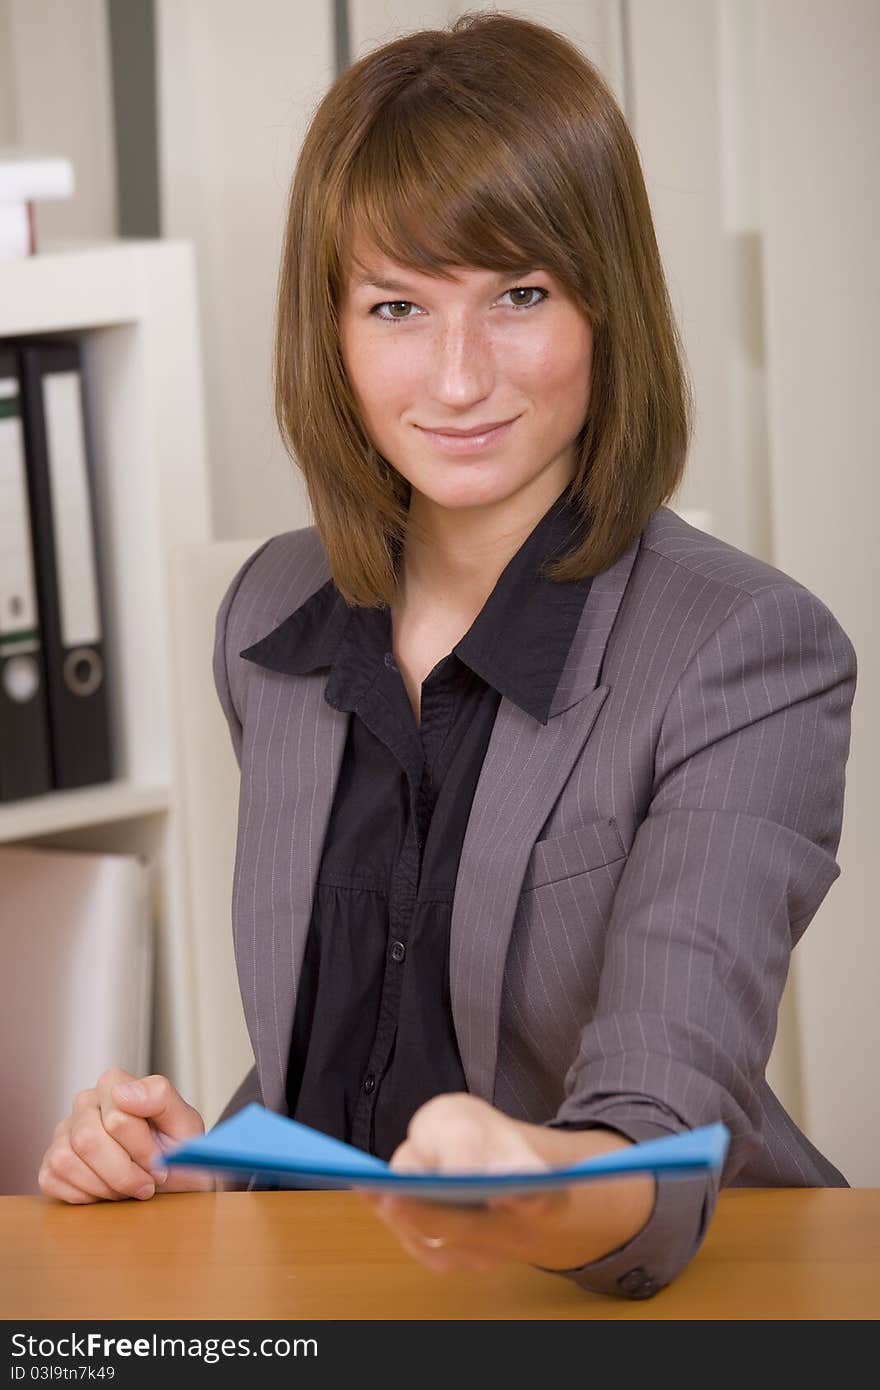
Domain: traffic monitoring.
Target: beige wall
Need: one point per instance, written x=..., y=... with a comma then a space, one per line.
x=676, y=120
x=57, y=99
x=820, y=176
x=237, y=84
x=7, y=80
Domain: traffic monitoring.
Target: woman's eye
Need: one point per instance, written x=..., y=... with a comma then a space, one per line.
x=527, y=289
x=391, y=304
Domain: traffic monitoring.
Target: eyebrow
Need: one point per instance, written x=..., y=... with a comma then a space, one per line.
x=373, y=280
x=376, y=282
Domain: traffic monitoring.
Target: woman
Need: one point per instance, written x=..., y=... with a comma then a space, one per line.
x=540, y=784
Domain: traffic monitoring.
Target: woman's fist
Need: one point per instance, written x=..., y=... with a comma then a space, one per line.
x=107, y=1148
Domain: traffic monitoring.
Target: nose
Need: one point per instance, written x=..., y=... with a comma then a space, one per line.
x=463, y=368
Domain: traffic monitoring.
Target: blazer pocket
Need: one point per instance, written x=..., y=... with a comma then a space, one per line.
x=563, y=856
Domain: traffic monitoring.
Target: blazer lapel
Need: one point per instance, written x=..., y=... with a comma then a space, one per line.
x=294, y=789
x=526, y=766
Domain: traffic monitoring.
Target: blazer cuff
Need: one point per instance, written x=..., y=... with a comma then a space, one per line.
x=651, y=1259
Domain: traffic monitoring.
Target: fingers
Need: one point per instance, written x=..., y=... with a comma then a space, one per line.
x=150, y=1097
x=457, y=1252
x=503, y=1230
x=50, y=1186
x=462, y=1133
x=107, y=1148
x=457, y=1132
x=109, y=1162
x=133, y=1135
x=70, y=1177
x=148, y=1115
x=406, y=1158
x=450, y=1131
x=85, y=1159
x=447, y=1258
x=536, y=1206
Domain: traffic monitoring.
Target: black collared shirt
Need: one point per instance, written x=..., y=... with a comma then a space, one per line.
x=373, y=1033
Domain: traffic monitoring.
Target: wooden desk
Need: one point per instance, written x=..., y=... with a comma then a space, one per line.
x=777, y=1253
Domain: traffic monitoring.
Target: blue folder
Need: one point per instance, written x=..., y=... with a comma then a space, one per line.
x=257, y=1140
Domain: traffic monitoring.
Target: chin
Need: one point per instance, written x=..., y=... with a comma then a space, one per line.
x=460, y=493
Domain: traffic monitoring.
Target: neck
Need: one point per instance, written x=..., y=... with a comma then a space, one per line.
x=456, y=555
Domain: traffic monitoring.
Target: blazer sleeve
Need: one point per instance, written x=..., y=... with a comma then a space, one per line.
x=734, y=856
x=229, y=640
x=247, y=1092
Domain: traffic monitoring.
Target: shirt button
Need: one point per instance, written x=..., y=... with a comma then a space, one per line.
x=389, y=661
x=369, y=1084
x=398, y=951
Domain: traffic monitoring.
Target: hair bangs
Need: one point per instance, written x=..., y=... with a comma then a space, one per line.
x=442, y=189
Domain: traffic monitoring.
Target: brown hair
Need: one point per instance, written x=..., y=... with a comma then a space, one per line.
x=492, y=144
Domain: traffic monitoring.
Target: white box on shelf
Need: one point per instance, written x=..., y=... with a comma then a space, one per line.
x=76, y=933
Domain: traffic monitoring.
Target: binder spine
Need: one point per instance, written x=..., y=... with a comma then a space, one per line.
x=60, y=489
x=25, y=768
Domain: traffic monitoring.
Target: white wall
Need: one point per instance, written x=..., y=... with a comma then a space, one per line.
x=676, y=117
x=55, y=69
x=237, y=84
x=819, y=139
x=595, y=24
x=7, y=78
x=373, y=22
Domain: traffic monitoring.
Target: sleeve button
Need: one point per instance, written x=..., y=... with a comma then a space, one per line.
x=633, y=1281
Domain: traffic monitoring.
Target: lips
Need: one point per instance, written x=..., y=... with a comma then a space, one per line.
x=467, y=434
x=484, y=438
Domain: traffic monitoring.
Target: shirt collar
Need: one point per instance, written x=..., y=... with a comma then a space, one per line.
x=518, y=642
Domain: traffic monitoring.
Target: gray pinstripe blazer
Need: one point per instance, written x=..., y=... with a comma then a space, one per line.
x=634, y=874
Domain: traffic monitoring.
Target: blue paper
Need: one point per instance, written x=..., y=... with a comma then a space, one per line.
x=257, y=1140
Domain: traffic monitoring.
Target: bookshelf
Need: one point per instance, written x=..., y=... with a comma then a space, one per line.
x=133, y=305
x=67, y=810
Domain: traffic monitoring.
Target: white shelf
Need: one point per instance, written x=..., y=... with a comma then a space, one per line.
x=133, y=303
x=99, y=805
x=74, y=285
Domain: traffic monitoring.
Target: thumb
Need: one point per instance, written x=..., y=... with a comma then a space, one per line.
x=406, y=1159
x=154, y=1098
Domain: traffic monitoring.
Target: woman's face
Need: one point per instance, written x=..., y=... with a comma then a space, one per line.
x=427, y=354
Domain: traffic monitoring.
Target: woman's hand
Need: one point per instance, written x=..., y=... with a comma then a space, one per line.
x=106, y=1148
x=559, y=1229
